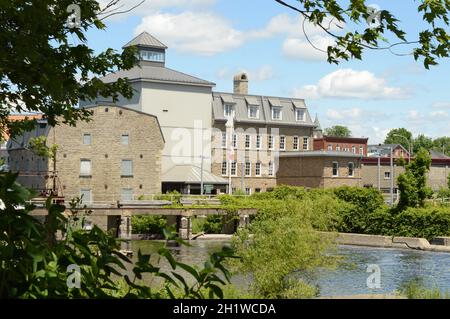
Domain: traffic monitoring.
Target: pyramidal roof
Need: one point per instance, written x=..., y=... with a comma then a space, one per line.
x=316, y=121
x=145, y=39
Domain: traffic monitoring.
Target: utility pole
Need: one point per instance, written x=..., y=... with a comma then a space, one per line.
x=392, y=176
x=379, y=172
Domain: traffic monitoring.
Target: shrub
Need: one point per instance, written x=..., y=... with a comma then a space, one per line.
x=148, y=224
x=213, y=224
x=423, y=222
x=174, y=197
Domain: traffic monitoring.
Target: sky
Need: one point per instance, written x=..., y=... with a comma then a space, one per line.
x=215, y=39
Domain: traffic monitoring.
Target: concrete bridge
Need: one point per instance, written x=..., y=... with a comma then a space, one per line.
x=118, y=216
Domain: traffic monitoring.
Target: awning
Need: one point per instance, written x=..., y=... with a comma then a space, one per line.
x=190, y=174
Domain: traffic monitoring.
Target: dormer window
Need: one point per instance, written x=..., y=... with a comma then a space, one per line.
x=152, y=56
x=228, y=110
x=253, y=112
x=300, y=115
x=276, y=113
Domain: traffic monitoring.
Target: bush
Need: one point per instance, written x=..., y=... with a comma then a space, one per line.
x=423, y=222
x=148, y=224
x=213, y=224
x=174, y=197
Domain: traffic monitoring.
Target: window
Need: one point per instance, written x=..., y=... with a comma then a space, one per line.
x=305, y=143
x=125, y=139
x=258, y=169
x=233, y=168
x=270, y=142
x=330, y=147
x=258, y=141
x=271, y=169
x=351, y=169
x=253, y=112
x=228, y=110
x=335, y=169
x=361, y=150
x=300, y=114
x=346, y=149
x=127, y=194
x=248, y=169
x=153, y=56
x=87, y=139
x=85, y=167
x=248, y=191
x=387, y=175
x=282, y=143
x=127, y=168
x=354, y=149
x=338, y=148
x=257, y=190
x=295, y=143
x=276, y=113
x=234, y=140
x=247, y=141
x=224, y=139
x=86, y=196
x=224, y=168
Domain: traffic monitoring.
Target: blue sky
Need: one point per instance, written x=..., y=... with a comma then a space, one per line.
x=214, y=39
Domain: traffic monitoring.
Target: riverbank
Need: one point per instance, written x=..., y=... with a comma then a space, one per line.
x=364, y=240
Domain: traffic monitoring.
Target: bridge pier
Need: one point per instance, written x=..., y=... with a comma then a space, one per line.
x=244, y=221
x=185, y=228
x=125, y=230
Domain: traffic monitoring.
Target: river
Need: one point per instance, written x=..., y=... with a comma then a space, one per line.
x=397, y=267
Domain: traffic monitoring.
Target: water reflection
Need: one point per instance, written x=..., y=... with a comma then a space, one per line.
x=398, y=266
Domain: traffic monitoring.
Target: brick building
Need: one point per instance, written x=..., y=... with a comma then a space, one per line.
x=320, y=169
x=115, y=156
x=341, y=144
x=263, y=128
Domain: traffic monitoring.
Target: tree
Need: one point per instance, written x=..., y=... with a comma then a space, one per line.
x=338, y=130
x=41, y=70
x=448, y=180
x=442, y=144
x=393, y=137
x=413, y=183
x=423, y=141
x=380, y=32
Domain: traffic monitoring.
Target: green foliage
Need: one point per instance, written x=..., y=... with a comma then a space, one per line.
x=43, y=70
x=285, y=241
x=428, y=44
x=422, y=141
x=174, y=197
x=422, y=222
x=33, y=264
x=399, y=136
x=362, y=203
x=448, y=180
x=213, y=224
x=415, y=290
x=412, y=183
x=442, y=144
x=148, y=224
x=338, y=130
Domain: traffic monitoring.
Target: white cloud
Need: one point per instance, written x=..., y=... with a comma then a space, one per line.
x=195, y=32
x=444, y=105
x=348, y=83
x=152, y=6
x=263, y=73
x=353, y=113
x=302, y=49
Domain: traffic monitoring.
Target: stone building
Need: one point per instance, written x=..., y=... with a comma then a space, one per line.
x=263, y=128
x=115, y=156
x=320, y=169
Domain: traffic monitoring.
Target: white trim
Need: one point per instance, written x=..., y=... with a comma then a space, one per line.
x=250, y=169
x=281, y=113
x=249, y=142
x=293, y=143
x=337, y=169
x=260, y=169
x=284, y=143
x=353, y=169
x=303, y=119
x=257, y=112
x=258, y=147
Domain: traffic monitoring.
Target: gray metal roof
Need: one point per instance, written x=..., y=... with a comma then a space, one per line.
x=146, y=40
x=436, y=154
x=156, y=74
x=319, y=154
x=241, y=103
x=190, y=174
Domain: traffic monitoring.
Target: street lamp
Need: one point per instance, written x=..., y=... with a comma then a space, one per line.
x=409, y=144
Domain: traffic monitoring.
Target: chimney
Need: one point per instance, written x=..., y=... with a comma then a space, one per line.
x=241, y=83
